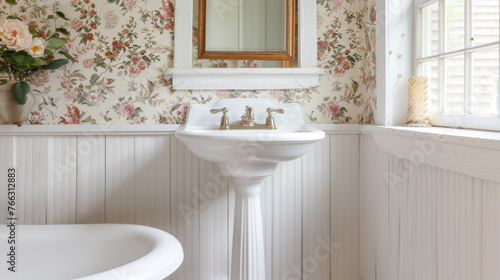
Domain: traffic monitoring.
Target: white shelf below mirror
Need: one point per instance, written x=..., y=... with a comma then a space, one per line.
x=186, y=77
x=245, y=78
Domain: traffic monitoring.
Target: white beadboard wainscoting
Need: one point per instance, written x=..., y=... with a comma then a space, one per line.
x=391, y=204
x=430, y=204
x=144, y=175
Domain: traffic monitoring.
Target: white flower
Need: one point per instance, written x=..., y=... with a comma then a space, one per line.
x=15, y=34
x=37, y=48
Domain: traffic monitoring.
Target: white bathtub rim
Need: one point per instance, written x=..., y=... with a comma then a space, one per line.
x=155, y=260
x=164, y=258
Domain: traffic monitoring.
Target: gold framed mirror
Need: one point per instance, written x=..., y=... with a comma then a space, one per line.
x=279, y=45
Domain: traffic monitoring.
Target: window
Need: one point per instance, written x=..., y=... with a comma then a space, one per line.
x=458, y=51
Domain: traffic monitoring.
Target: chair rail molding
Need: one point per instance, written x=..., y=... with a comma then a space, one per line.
x=132, y=130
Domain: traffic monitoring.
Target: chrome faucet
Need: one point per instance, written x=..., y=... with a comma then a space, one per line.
x=248, y=119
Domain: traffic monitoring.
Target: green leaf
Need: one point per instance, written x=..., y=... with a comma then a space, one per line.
x=34, y=31
x=33, y=72
x=23, y=59
x=61, y=15
x=88, y=120
x=68, y=56
x=55, y=64
x=63, y=31
x=55, y=43
x=49, y=52
x=11, y=2
x=94, y=78
x=3, y=82
x=20, y=91
x=19, y=68
x=13, y=17
x=40, y=62
x=9, y=59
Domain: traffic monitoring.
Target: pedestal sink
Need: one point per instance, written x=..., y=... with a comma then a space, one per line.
x=247, y=156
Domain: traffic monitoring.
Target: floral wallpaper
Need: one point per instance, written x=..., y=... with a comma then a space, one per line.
x=122, y=49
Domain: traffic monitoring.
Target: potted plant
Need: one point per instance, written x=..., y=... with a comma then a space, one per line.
x=24, y=50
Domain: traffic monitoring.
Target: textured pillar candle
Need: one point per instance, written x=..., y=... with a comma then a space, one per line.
x=417, y=102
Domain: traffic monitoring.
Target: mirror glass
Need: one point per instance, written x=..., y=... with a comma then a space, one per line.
x=246, y=29
x=238, y=25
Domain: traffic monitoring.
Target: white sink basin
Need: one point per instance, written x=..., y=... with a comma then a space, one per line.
x=242, y=153
x=249, y=152
x=247, y=156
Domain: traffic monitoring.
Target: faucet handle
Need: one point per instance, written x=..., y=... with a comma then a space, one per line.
x=224, y=121
x=270, y=120
x=221, y=110
x=272, y=110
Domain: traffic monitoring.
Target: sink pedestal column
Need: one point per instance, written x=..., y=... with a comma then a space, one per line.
x=248, y=237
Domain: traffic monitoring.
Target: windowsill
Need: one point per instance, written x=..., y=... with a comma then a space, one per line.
x=464, y=151
x=466, y=137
